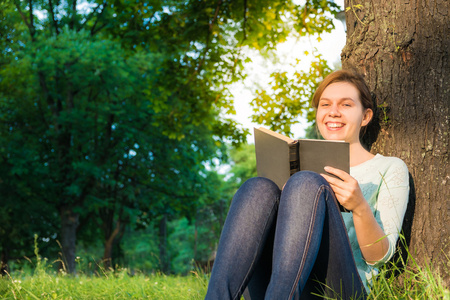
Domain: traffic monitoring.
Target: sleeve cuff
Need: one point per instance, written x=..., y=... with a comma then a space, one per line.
x=386, y=257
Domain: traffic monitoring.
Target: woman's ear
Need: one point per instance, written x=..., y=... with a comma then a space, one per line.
x=368, y=114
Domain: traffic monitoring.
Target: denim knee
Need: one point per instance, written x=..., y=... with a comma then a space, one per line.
x=306, y=178
x=259, y=189
x=261, y=183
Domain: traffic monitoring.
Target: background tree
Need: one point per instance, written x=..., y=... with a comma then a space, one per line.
x=289, y=97
x=191, y=242
x=243, y=164
x=402, y=48
x=90, y=113
x=110, y=109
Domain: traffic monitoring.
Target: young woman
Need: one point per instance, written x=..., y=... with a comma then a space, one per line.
x=295, y=243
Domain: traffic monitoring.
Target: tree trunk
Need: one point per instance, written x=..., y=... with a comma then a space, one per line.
x=402, y=49
x=163, y=256
x=4, y=267
x=112, y=252
x=69, y=224
x=117, y=255
x=109, y=243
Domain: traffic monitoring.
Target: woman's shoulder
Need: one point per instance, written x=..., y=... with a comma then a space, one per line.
x=380, y=165
x=389, y=161
x=392, y=169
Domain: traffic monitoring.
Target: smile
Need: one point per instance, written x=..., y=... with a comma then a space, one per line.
x=335, y=125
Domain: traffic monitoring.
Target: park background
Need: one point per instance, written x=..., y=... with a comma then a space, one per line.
x=118, y=144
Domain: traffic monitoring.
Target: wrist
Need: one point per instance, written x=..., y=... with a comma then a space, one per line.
x=362, y=210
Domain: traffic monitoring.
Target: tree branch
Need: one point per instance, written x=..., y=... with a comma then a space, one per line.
x=91, y=15
x=244, y=26
x=74, y=10
x=30, y=3
x=47, y=96
x=211, y=24
x=98, y=29
x=52, y=13
x=93, y=31
x=113, y=235
x=210, y=29
x=24, y=18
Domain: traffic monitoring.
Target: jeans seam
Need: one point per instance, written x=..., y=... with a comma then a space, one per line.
x=238, y=293
x=350, y=246
x=302, y=264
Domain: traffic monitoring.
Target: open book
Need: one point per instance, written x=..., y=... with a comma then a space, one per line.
x=278, y=156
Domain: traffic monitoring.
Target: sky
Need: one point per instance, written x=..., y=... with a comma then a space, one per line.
x=260, y=69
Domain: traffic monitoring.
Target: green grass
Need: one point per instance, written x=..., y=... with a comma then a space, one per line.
x=393, y=282
x=45, y=283
x=413, y=283
x=118, y=285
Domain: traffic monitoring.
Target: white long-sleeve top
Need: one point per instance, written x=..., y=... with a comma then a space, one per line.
x=384, y=182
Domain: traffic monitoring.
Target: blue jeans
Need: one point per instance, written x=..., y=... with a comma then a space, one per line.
x=285, y=245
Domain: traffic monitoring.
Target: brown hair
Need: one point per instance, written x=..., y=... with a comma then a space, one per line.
x=345, y=76
x=358, y=82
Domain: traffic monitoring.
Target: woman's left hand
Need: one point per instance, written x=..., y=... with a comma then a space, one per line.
x=347, y=190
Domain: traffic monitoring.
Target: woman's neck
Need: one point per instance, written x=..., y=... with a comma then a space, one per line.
x=358, y=154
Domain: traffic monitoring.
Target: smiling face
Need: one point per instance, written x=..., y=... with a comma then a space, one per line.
x=340, y=114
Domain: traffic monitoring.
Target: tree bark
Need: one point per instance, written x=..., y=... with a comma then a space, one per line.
x=113, y=241
x=117, y=255
x=163, y=255
x=69, y=224
x=402, y=49
x=4, y=258
x=107, y=254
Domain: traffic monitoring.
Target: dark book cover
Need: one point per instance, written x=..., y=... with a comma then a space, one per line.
x=278, y=157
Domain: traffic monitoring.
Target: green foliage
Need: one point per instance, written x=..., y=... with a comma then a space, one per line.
x=187, y=243
x=312, y=132
x=289, y=97
x=193, y=244
x=110, y=111
x=384, y=110
x=243, y=164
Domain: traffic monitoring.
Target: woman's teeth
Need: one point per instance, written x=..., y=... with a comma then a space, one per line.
x=335, y=125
